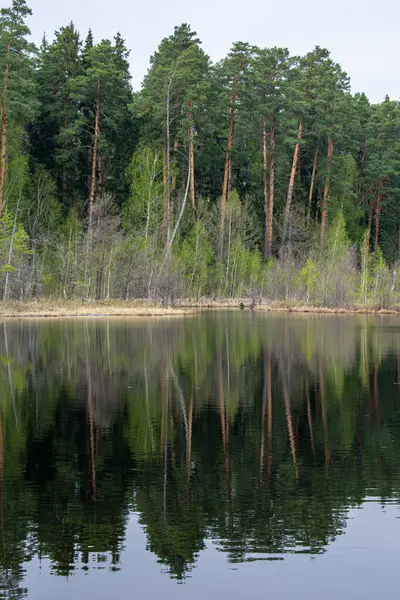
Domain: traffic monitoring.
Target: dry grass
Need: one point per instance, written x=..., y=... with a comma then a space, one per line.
x=75, y=308
x=72, y=308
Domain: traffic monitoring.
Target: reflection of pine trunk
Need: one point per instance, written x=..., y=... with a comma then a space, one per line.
x=225, y=432
x=324, y=415
x=324, y=212
x=289, y=197
x=271, y=185
x=376, y=391
x=190, y=429
x=265, y=180
x=289, y=422
x=228, y=160
x=269, y=399
x=10, y=378
x=165, y=438
x=310, y=196
x=263, y=414
x=91, y=423
x=1, y=480
x=309, y=417
x=3, y=153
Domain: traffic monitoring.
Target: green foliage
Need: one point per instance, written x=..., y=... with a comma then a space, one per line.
x=235, y=121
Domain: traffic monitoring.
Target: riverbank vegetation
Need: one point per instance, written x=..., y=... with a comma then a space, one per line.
x=261, y=176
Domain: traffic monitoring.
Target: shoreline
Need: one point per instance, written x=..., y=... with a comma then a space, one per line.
x=57, y=309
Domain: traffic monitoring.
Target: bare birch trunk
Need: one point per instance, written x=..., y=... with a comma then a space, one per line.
x=291, y=185
x=165, y=187
x=324, y=211
x=10, y=251
x=310, y=196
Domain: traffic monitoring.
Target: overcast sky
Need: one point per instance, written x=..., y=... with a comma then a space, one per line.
x=363, y=36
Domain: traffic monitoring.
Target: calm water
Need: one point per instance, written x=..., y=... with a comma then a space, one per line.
x=228, y=455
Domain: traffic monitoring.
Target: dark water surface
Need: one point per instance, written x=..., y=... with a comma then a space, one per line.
x=225, y=456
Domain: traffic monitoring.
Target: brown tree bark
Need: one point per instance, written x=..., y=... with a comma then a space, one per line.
x=271, y=185
x=95, y=150
x=173, y=180
x=3, y=153
x=265, y=179
x=100, y=169
x=289, y=196
x=324, y=212
x=310, y=195
x=370, y=214
x=228, y=158
x=378, y=216
x=191, y=157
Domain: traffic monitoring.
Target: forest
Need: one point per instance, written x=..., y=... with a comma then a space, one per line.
x=261, y=176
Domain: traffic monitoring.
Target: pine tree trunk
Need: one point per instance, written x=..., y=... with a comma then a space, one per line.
x=3, y=154
x=100, y=169
x=191, y=156
x=94, y=155
x=324, y=212
x=378, y=216
x=265, y=178
x=310, y=196
x=370, y=214
x=173, y=178
x=271, y=185
x=291, y=185
x=227, y=170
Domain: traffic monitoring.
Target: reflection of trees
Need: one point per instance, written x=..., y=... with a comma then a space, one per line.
x=256, y=432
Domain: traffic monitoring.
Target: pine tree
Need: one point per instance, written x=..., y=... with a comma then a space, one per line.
x=18, y=101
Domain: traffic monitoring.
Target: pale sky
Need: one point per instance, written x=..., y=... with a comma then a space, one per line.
x=363, y=36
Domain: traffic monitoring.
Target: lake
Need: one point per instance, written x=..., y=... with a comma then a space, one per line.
x=222, y=455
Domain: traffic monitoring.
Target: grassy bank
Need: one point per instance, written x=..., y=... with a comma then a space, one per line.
x=75, y=308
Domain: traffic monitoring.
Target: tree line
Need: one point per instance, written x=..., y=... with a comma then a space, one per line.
x=231, y=179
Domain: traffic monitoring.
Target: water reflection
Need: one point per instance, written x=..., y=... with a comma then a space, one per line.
x=256, y=432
